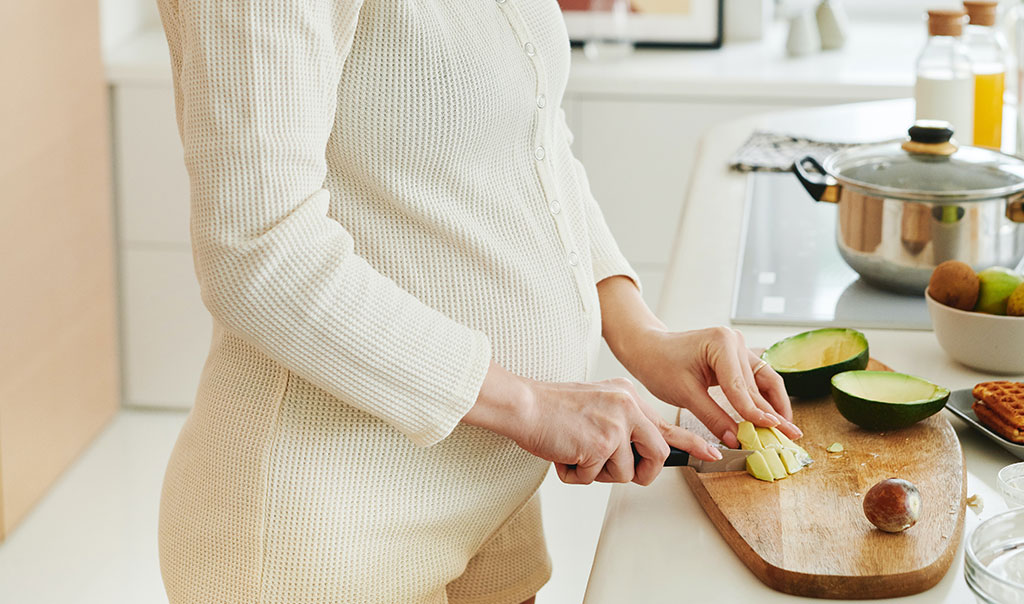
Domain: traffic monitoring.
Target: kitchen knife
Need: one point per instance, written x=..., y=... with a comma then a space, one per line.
x=732, y=460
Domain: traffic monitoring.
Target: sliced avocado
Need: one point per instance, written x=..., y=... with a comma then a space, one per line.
x=747, y=435
x=883, y=400
x=757, y=467
x=807, y=361
x=800, y=452
x=768, y=438
x=790, y=461
x=771, y=455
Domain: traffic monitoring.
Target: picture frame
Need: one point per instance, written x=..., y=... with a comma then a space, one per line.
x=649, y=23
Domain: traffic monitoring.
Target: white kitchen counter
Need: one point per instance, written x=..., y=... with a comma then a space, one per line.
x=657, y=545
x=877, y=63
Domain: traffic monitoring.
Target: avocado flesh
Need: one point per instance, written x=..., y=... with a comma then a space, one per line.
x=887, y=387
x=813, y=349
x=801, y=454
x=771, y=455
x=768, y=438
x=757, y=467
x=790, y=461
x=807, y=361
x=747, y=435
x=884, y=400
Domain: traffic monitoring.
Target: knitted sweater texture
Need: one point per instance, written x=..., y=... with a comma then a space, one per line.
x=383, y=199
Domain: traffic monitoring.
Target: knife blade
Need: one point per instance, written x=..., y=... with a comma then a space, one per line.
x=733, y=460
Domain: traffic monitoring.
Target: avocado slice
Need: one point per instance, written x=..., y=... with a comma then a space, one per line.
x=768, y=438
x=790, y=461
x=757, y=467
x=807, y=361
x=801, y=454
x=771, y=455
x=883, y=400
x=747, y=434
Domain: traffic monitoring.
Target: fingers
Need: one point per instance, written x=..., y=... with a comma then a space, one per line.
x=681, y=438
x=619, y=467
x=581, y=473
x=770, y=383
x=744, y=355
x=653, y=450
x=737, y=385
x=705, y=409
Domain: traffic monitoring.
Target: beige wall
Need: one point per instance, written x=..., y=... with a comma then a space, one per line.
x=58, y=341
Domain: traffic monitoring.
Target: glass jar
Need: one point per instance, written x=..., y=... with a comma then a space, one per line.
x=987, y=52
x=944, y=89
x=609, y=37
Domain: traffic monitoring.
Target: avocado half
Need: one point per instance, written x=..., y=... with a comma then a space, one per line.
x=807, y=361
x=883, y=400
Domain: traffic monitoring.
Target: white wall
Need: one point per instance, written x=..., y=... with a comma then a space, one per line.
x=899, y=9
x=119, y=19
x=902, y=10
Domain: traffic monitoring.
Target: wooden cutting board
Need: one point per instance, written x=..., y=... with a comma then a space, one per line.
x=807, y=535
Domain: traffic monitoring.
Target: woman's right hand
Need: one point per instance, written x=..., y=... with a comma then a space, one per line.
x=587, y=429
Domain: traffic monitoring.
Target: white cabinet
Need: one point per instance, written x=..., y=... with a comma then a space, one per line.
x=638, y=154
x=152, y=185
x=165, y=327
x=165, y=330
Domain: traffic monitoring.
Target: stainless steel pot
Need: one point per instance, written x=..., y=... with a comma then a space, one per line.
x=906, y=206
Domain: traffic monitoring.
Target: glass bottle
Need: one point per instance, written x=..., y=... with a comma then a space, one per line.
x=944, y=89
x=986, y=50
x=609, y=37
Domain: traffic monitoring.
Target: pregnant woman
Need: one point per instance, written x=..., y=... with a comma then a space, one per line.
x=409, y=279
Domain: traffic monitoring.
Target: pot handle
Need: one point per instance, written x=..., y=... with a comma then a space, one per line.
x=1015, y=208
x=820, y=185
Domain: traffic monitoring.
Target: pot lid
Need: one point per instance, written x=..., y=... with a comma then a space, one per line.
x=928, y=167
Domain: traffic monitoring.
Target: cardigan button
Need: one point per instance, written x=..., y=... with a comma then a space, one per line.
x=554, y=206
x=541, y=101
x=539, y=153
x=529, y=49
x=574, y=259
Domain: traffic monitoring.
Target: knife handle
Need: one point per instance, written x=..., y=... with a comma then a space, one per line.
x=676, y=457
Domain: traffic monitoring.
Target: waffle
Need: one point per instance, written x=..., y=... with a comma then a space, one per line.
x=1000, y=406
x=1005, y=399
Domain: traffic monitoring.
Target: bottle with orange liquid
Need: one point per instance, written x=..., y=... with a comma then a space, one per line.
x=987, y=51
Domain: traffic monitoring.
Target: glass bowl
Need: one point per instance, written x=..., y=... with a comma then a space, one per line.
x=1011, y=485
x=994, y=559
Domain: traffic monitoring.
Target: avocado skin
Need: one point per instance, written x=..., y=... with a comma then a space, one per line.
x=817, y=382
x=873, y=415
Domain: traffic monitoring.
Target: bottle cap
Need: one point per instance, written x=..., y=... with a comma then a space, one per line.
x=981, y=12
x=945, y=22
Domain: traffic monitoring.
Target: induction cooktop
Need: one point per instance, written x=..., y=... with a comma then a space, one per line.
x=791, y=273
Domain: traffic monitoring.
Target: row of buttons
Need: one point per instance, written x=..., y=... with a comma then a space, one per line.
x=540, y=154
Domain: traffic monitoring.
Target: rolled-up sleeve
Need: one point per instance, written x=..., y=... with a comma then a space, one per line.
x=256, y=85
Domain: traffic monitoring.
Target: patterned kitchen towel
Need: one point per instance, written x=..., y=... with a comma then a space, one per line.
x=774, y=152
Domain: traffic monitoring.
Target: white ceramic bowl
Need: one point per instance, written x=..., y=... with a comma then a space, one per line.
x=990, y=343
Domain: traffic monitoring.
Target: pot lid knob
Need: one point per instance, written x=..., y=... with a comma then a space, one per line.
x=930, y=137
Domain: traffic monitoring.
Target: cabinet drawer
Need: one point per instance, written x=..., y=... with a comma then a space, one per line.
x=152, y=183
x=166, y=329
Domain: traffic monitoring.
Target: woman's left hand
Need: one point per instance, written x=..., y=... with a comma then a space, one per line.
x=679, y=367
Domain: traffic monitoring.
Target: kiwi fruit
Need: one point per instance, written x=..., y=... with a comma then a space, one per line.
x=955, y=284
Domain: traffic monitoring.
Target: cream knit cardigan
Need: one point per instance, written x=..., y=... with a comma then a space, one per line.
x=383, y=200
